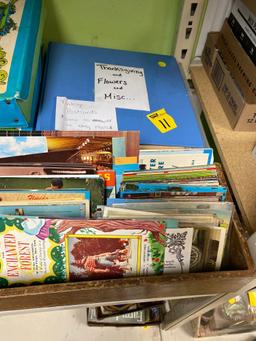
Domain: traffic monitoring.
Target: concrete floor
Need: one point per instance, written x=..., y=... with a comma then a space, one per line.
x=70, y=325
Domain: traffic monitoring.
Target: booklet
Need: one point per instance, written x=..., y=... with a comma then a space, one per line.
x=35, y=250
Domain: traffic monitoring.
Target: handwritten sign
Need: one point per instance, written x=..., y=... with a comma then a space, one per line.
x=123, y=86
x=162, y=120
x=84, y=115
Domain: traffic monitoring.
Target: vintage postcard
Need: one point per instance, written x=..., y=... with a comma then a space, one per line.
x=22, y=145
x=43, y=195
x=97, y=257
x=133, y=190
x=92, y=151
x=47, y=209
x=181, y=175
x=22, y=169
x=174, y=158
x=178, y=250
x=221, y=212
x=92, y=183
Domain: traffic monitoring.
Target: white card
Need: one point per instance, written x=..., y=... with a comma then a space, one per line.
x=84, y=115
x=178, y=250
x=123, y=86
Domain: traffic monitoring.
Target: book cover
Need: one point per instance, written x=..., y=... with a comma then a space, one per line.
x=35, y=250
x=31, y=252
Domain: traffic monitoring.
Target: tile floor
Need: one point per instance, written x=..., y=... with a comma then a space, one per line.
x=70, y=325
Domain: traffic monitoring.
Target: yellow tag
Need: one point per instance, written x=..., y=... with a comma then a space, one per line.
x=232, y=300
x=252, y=298
x=162, y=120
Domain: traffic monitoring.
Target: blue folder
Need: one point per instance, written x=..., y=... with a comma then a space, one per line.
x=70, y=73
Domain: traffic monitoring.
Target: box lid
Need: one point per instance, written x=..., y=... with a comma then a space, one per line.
x=19, y=24
x=70, y=73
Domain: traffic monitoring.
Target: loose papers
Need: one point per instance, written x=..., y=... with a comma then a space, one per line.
x=115, y=87
x=84, y=115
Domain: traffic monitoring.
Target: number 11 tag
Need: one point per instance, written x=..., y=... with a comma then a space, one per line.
x=162, y=121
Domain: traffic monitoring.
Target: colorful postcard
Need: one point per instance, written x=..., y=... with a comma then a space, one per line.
x=44, y=195
x=133, y=190
x=174, y=158
x=22, y=145
x=92, y=183
x=47, y=209
x=109, y=176
x=91, y=151
x=97, y=257
x=132, y=139
x=181, y=175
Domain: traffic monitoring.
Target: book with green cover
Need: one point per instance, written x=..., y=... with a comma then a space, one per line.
x=35, y=250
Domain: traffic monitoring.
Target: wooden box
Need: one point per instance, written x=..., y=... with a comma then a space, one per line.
x=237, y=271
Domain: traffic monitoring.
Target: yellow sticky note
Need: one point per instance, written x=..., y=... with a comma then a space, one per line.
x=252, y=298
x=232, y=300
x=163, y=121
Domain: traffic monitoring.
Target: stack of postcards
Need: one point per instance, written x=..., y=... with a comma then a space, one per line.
x=91, y=205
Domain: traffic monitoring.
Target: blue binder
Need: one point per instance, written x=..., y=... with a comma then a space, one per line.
x=70, y=73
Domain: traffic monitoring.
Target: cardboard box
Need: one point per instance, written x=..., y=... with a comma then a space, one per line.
x=241, y=115
x=251, y=5
x=243, y=24
x=21, y=30
x=240, y=65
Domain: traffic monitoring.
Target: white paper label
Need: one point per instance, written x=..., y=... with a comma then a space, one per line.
x=84, y=115
x=123, y=86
